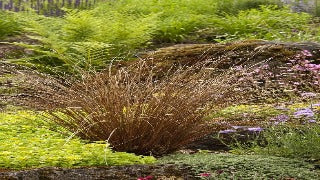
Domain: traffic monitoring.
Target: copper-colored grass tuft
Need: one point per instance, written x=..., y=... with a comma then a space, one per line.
x=135, y=112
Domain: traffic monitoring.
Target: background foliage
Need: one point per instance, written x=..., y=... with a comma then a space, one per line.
x=117, y=30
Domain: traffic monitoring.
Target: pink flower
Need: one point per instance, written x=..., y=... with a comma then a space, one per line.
x=306, y=53
x=145, y=178
x=305, y=61
x=205, y=174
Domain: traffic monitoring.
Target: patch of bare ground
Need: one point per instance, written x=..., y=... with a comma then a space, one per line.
x=132, y=172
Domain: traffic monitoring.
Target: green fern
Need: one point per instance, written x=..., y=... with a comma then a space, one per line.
x=116, y=30
x=9, y=25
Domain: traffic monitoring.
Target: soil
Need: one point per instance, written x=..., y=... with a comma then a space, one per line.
x=133, y=172
x=11, y=51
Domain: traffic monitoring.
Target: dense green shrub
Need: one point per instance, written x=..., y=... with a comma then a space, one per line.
x=27, y=141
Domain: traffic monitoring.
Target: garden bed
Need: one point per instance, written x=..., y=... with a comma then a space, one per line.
x=117, y=91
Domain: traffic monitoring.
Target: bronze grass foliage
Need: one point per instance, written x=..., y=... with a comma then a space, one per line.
x=135, y=112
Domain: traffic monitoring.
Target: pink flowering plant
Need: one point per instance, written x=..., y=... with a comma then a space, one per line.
x=303, y=66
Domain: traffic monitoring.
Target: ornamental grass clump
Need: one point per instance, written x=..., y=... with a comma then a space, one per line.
x=135, y=112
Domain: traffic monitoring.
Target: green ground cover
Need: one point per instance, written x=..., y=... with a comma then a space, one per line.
x=229, y=166
x=29, y=142
x=285, y=141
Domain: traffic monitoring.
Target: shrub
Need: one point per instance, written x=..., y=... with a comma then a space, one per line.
x=135, y=112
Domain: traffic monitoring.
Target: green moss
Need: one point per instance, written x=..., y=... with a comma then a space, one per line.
x=261, y=111
x=4, y=90
x=28, y=142
x=240, y=45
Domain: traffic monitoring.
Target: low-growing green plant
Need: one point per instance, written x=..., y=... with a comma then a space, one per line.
x=286, y=141
x=27, y=141
x=262, y=112
x=229, y=166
